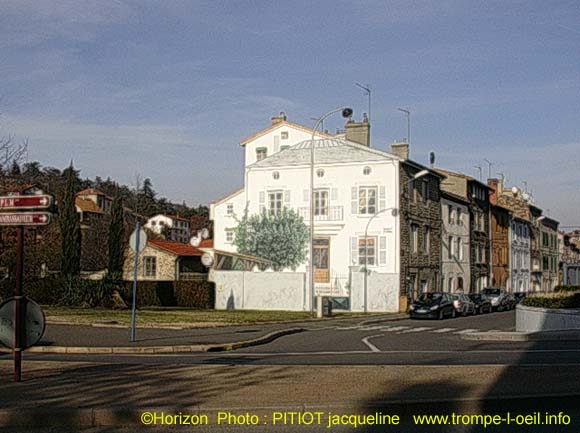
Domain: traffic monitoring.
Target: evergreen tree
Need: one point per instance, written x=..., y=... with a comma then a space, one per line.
x=116, y=239
x=70, y=228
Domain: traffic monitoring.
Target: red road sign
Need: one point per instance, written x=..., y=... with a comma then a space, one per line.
x=16, y=202
x=24, y=219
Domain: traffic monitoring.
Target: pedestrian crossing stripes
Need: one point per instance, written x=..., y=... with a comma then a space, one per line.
x=410, y=329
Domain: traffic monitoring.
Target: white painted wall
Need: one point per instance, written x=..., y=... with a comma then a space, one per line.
x=273, y=141
x=225, y=221
x=180, y=229
x=237, y=290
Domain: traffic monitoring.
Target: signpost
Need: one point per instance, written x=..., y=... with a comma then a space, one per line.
x=10, y=216
x=137, y=242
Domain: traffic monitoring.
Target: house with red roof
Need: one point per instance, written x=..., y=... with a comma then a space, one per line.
x=164, y=260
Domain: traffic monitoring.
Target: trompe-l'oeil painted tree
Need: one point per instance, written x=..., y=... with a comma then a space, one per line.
x=281, y=238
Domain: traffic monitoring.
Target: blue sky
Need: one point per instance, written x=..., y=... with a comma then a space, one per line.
x=168, y=89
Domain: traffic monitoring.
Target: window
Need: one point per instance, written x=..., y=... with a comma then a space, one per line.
x=320, y=172
x=276, y=175
x=450, y=247
x=424, y=191
x=367, y=200
x=275, y=199
x=229, y=236
x=458, y=218
x=284, y=135
x=366, y=171
x=414, y=238
x=367, y=251
x=426, y=240
x=458, y=249
x=149, y=266
x=261, y=153
x=321, y=202
x=230, y=209
x=284, y=147
x=450, y=214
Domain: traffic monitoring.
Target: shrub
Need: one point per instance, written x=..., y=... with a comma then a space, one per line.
x=554, y=300
x=195, y=294
x=150, y=293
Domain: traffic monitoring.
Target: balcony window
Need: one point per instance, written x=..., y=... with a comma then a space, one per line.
x=275, y=202
x=321, y=202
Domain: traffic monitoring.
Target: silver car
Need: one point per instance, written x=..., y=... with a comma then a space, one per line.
x=463, y=305
x=498, y=297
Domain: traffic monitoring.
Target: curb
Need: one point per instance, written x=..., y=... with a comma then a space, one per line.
x=194, y=348
x=124, y=417
x=523, y=336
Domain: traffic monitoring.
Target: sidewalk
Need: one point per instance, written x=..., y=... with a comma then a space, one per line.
x=569, y=335
x=104, y=340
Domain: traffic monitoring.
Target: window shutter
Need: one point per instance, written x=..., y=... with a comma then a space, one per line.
x=354, y=200
x=276, y=143
x=354, y=250
x=334, y=194
x=306, y=196
x=382, y=198
x=287, y=196
x=382, y=250
x=262, y=200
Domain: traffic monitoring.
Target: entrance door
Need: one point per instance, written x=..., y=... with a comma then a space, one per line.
x=321, y=260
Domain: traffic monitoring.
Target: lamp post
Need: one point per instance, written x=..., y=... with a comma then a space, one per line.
x=414, y=178
x=346, y=113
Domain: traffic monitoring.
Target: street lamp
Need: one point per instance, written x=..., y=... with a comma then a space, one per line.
x=346, y=113
x=414, y=178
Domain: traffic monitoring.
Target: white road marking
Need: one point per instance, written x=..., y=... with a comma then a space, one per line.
x=371, y=345
x=396, y=328
x=414, y=330
x=442, y=330
x=466, y=331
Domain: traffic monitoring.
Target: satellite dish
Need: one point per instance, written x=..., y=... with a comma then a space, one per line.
x=204, y=233
x=195, y=241
x=207, y=260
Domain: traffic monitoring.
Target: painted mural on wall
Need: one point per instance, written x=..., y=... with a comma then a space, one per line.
x=281, y=237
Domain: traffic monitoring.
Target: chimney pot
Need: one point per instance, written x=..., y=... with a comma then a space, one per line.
x=400, y=149
x=359, y=132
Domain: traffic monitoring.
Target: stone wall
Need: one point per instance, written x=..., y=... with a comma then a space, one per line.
x=166, y=270
x=419, y=266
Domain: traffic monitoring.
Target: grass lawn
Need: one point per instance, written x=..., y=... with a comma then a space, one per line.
x=169, y=316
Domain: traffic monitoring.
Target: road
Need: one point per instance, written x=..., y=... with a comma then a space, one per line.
x=362, y=341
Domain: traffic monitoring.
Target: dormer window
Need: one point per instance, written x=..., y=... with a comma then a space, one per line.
x=261, y=153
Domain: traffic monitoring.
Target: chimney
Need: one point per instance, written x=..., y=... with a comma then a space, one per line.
x=400, y=149
x=495, y=186
x=359, y=132
x=280, y=118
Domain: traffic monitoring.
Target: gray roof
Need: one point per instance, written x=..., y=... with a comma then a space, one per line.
x=327, y=151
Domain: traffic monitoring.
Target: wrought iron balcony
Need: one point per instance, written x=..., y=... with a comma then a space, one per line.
x=330, y=213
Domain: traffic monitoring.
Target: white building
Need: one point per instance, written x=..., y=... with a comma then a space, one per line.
x=352, y=183
x=455, y=243
x=174, y=227
x=520, y=241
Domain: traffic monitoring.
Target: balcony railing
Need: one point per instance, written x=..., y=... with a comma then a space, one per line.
x=330, y=213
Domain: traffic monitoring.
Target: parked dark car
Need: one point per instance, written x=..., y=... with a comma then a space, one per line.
x=510, y=301
x=520, y=296
x=482, y=304
x=433, y=305
x=498, y=298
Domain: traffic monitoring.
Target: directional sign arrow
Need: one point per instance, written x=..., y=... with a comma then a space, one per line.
x=16, y=202
x=24, y=218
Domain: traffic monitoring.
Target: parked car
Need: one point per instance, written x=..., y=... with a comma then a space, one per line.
x=482, y=303
x=498, y=298
x=463, y=305
x=510, y=301
x=434, y=305
x=520, y=296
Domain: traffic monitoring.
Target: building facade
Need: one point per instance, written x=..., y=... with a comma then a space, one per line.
x=500, y=246
x=455, y=268
x=549, y=253
x=174, y=228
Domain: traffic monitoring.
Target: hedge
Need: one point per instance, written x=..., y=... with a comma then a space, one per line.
x=56, y=290
x=567, y=289
x=556, y=300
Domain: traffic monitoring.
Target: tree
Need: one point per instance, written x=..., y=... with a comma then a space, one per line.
x=116, y=239
x=70, y=228
x=281, y=238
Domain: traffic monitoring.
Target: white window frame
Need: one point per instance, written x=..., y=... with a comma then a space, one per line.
x=229, y=209
x=364, y=208
x=275, y=201
x=230, y=236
